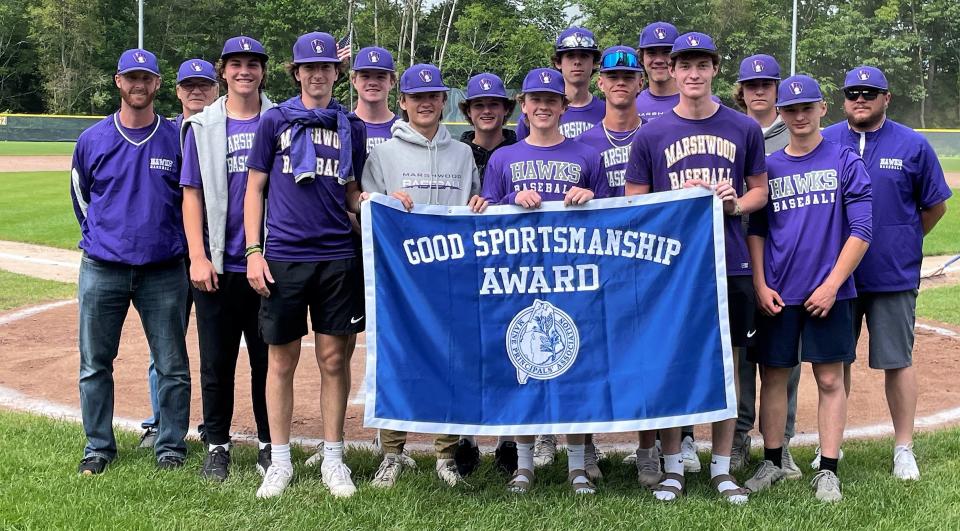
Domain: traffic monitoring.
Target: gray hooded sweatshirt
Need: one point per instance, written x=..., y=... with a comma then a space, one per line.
x=433, y=172
x=210, y=133
x=776, y=136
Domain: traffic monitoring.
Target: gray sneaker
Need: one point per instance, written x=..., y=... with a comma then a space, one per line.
x=790, y=468
x=765, y=476
x=648, y=467
x=544, y=450
x=827, y=486
x=590, y=457
x=389, y=470
x=740, y=453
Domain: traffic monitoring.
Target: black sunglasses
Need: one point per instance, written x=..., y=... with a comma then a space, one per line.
x=868, y=94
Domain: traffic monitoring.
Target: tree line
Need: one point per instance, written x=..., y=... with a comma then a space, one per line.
x=59, y=56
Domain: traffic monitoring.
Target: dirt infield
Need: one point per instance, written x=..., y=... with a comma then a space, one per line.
x=953, y=179
x=35, y=163
x=39, y=358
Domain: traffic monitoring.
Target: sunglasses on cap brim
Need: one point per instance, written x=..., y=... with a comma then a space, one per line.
x=868, y=94
x=577, y=42
x=615, y=59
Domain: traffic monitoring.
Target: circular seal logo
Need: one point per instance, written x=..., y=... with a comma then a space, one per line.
x=542, y=342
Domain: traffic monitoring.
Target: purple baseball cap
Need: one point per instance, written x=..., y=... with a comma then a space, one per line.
x=138, y=59
x=620, y=58
x=196, y=69
x=658, y=34
x=243, y=44
x=485, y=85
x=543, y=80
x=422, y=78
x=315, y=47
x=694, y=41
x=866, y=76
x=576, y=38
x=798, y=89
x=374, y=58
x=760, y=66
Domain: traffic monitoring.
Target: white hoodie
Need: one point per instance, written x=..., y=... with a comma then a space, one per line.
x=433, y=172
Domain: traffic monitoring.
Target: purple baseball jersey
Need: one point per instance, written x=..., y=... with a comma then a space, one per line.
x=550, y=171
x=574, y=121
x=650, y=107
x=379, y=133
x=816, y=202
x=240, y=135
x=305, y=222
x=614, y=149
x=727, y=146
x=906, y=178
x=126, y=192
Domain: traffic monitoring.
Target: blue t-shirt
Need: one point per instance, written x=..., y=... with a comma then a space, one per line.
x=126, y=192
x=906, y=178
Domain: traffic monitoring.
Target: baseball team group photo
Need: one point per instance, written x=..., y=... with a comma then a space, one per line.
x=480, y=264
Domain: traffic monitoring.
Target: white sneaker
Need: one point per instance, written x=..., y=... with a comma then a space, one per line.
x=827, y=486
x=591, y=456
x=447, y=471
x=317, y=458
x=905, y=463
x=544, y=450
x=336, y=477
x=815, y=464
x=389, y=470
x=275, y=482
x=691, y=461
x=631, y=458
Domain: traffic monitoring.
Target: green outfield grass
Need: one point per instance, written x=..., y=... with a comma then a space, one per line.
x=38, y=459
x=940, y=304
x=21, y=290
x=950, y=164
x=35, y=207
x=36, y=148
x=945, y=237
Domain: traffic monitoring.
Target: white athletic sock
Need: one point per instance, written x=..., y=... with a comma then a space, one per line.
x=720, y=465
x=211, y=447
x=332, y=452
x=575, y=458
x=525, y=456
x=261, y=445
x=471, y=438
x=280, y=456
x=672, y=464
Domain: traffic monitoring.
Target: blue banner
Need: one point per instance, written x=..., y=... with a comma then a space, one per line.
x=607, y=317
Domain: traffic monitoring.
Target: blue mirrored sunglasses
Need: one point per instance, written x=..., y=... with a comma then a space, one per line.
x=624, y=58
x=577, y=40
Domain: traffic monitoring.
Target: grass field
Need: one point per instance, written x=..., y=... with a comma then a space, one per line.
x=35, y=207
x=42, y=490
x=940, y=304
x=21, y=290
x=950, y=164
x=36, y=148
x=945, y=237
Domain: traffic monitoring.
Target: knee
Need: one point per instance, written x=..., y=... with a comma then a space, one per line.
x=830, y=382
x=281, y=365
x=332, y=361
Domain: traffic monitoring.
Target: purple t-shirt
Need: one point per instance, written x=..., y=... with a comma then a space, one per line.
x=305, y=222
x=727, y=146
x=549, y=171
x=906, y=178
x=650, y=107
x=240, y=135
x=126, y=193
x=574, y=121
x=378, y=133
x=816, y=202
x=614, y=149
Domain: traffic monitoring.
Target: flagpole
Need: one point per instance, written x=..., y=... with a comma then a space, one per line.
x=350, y=43
x=793, y=42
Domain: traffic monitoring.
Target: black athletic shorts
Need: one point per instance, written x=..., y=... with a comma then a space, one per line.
x=332, y=290
x=794, y=335
x=742, y=306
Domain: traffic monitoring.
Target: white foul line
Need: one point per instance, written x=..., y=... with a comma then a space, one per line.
x=44, y=261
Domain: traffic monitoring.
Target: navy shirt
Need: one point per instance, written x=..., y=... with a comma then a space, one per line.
x=906, y=178
x=126, y=192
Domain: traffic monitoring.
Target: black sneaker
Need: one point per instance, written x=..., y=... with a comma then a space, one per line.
x=264, y=460
x=149, y=438
x=466, y=457
x=216, y=466
x=92, y=465
x=169, y=462
x=505, y=458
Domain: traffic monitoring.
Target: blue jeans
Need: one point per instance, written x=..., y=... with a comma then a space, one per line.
x=151, y=421
x=158, y=294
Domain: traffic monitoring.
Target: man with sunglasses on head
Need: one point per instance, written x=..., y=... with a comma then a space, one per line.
x=909, y=198
x=621, y=77
x=576, y=55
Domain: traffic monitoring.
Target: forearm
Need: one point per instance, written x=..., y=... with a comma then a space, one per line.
x=755, y=197
x=850, y=255
x=929, y=217
x=755, y=246
x=193, y=222
x=353, y=198
x=632, y=188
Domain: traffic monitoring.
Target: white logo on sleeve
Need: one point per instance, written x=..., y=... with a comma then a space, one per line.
x=542, y=342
